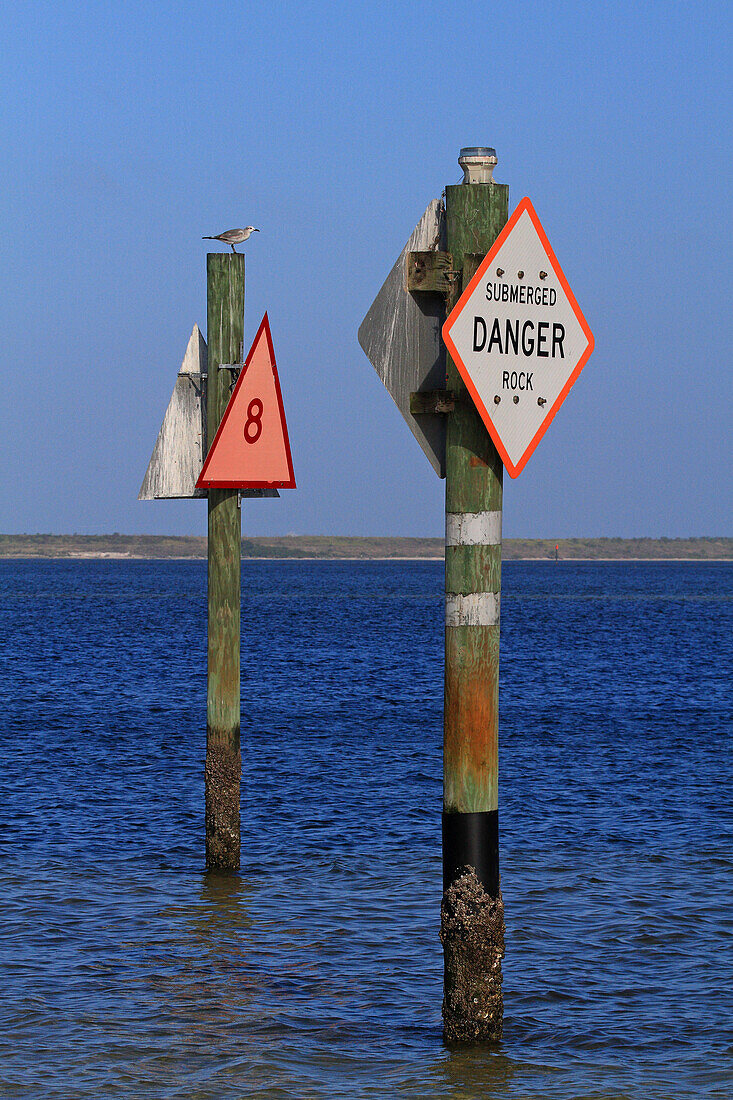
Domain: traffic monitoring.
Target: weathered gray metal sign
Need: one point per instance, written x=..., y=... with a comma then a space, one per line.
x=180, y=448
x=401, y=336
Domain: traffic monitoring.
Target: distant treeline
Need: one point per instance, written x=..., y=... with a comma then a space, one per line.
x=339, y=546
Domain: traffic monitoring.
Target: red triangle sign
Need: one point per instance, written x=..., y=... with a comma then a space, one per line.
x=251, y=449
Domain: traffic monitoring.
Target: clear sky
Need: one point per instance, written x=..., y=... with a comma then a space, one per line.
x=129, y=130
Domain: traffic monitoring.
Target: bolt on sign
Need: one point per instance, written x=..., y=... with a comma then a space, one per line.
x=518, y=337
x=251, y=449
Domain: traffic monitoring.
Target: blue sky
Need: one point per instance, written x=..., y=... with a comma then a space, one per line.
x=130, y=130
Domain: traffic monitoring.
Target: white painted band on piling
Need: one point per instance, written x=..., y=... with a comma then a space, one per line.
x=475, y=609
x=473, y=528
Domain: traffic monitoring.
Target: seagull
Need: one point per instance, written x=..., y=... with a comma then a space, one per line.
x=233, y=236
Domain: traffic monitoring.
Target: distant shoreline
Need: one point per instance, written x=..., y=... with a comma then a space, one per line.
x=356, y=548
x=261, y=557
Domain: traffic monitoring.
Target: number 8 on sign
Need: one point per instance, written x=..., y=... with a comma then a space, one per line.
x=251, y=449
x=254, y=419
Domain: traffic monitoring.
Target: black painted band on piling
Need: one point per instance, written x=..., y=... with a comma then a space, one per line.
x=472, y=840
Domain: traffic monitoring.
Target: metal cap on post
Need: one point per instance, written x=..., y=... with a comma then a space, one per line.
x=478, y=163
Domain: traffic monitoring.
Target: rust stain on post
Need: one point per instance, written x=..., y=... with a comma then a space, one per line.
x=470, y=746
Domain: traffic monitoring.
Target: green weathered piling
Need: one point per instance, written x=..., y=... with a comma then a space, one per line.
x=472, y=921
x=225, y=337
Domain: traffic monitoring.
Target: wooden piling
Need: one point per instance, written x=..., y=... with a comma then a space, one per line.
x=225, y=337
x=472, y=920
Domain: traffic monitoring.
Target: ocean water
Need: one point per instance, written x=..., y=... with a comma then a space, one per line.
x=127, y=970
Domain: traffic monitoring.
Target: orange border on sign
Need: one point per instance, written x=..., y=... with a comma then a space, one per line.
x=525, y=204
x=202, y=483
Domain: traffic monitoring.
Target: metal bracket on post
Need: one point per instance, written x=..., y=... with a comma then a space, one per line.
x=235, y=369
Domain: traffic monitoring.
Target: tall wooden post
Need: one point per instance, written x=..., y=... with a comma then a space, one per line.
x=225, y=337
x=472, y=916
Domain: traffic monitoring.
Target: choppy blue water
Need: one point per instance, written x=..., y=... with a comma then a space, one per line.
x=127, y=970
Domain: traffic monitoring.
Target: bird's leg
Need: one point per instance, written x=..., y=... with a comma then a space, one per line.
x=234, y=250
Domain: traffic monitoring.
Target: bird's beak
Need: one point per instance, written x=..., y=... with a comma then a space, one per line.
x=256, y=230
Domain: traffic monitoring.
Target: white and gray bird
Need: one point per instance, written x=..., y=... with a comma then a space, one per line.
x=233, y=236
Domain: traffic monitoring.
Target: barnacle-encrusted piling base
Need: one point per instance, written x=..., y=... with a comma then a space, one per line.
x=223, y=770
x=472, y=934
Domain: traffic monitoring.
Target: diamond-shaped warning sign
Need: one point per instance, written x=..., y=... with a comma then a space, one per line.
x=518, y=337
x=251, y=448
